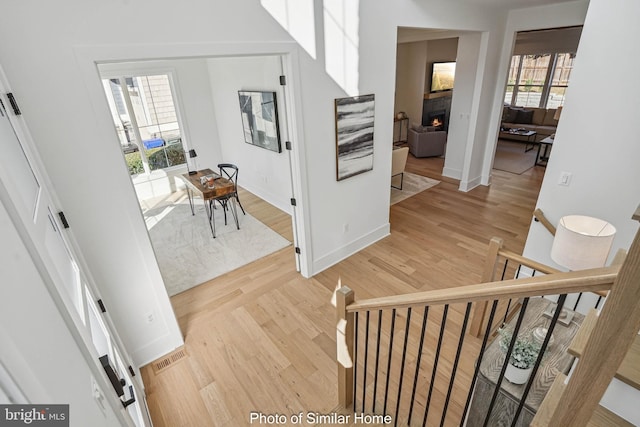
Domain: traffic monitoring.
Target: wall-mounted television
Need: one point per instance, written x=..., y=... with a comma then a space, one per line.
x=442, y=76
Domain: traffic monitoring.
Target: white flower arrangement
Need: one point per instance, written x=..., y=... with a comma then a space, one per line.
x=525, y=350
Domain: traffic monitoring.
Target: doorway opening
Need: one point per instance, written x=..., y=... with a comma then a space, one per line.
x=178, y=115
x=538, y=78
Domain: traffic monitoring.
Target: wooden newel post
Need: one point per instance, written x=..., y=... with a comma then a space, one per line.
x=344, y=345
x=488, y=275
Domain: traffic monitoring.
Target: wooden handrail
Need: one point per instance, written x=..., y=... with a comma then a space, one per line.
x=542, y=268
x=591, y=280
x=538, y=215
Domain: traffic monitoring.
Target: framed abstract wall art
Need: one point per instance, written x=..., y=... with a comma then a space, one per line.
x=260, y=119
x=354, y=135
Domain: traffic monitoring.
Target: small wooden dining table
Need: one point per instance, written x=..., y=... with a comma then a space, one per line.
x=209, y=194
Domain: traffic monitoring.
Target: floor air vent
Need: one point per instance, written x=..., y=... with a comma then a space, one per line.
x=169, y=360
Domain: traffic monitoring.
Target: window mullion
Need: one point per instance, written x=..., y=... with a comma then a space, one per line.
x=514, y=95
x=134, y=124
x=546, y=88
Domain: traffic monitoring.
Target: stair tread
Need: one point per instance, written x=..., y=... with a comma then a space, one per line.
x=602, y=417
x=629, y=370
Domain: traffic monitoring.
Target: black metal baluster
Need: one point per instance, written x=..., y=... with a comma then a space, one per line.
x=435, y=364
x=575, y=306
x=415, y=377
x=366, y=356
x=375, y=380
x=404, y=356
x=506, y=313
x=455, y=363
x=598, y=302
x=504, y=269
x=514, y=337
x=518, y=271
x=386, y=387
x=543, y=348
x=355, y=362
x=487, y=332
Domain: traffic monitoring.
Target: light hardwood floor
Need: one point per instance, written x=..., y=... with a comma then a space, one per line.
x=261, y=338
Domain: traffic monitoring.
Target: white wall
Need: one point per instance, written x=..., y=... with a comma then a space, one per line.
x=264, y=173
x=411, y=59
x=601, y=158
x=37, y=348
x=462, y=101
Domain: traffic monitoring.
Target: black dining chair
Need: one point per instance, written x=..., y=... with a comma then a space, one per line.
x=230, y=172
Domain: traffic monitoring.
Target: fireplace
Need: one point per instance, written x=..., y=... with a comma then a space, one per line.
x=437, y=106
x=436, y=119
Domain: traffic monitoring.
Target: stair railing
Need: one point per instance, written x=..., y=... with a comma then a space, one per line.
x=393, y=370
x=511, y=265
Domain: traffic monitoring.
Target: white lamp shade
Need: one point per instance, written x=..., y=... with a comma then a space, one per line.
x=582, y=242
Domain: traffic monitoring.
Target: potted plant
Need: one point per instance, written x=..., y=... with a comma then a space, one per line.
x=523, y=357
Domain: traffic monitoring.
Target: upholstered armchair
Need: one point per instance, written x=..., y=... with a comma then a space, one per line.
x=398, y=163
x=426, y=141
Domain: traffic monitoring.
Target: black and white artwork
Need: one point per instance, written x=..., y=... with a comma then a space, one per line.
x=354, y=135
x=260, y=119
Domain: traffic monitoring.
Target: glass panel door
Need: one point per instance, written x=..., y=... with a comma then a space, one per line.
x=146, y=121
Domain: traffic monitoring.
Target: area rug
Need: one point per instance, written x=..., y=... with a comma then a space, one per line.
x=412, y=185
x=511, y=157
x=187, y=253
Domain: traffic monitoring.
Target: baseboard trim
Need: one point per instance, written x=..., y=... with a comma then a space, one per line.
x=155, y=350
x=470, y=185
x=346, y=251
x=452, y=173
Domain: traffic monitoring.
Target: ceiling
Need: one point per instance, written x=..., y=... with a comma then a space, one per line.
x=513, y=4
x=406, y=34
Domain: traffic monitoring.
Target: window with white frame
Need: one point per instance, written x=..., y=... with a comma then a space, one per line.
x=145, y=115
x=538, y=80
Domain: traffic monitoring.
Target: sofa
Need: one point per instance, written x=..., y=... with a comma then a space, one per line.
x=425, y=141
x=530, y=118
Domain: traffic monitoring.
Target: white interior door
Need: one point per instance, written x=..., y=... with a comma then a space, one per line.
x=25, y=185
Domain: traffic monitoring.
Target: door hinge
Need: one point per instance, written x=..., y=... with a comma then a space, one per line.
x=293, y=202
x=298, y=251
x=63, y=219
x=283, y=80
x=131, y=371
x=287, y=145
x=14, y=104
x=101, y=305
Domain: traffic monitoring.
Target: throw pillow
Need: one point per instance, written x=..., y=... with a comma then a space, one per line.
x=538, y=116
x=417, y=127
x=505, y=110
x=524, y=117
x=510, y=115
x=548, y=118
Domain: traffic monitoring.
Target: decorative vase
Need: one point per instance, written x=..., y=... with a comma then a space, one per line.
x=517, y=375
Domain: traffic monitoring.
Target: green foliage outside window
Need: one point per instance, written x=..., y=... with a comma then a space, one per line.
x=157, y=158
